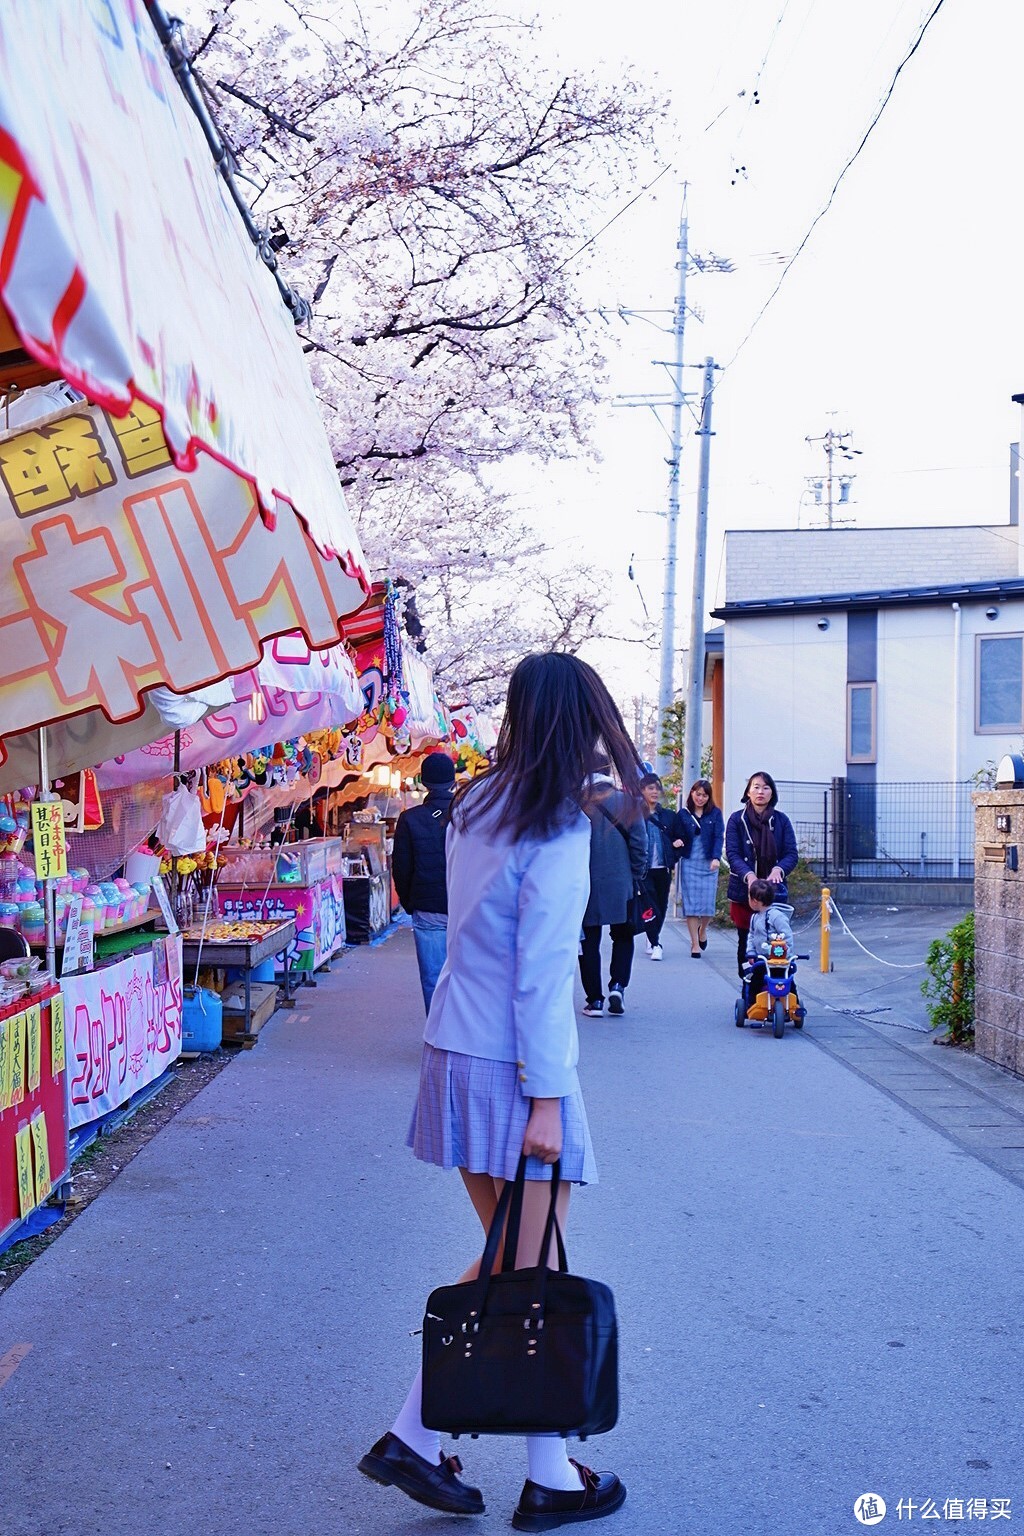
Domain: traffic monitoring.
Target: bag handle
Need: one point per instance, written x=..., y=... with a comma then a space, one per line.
x=508, y=1259
x=498, y=1226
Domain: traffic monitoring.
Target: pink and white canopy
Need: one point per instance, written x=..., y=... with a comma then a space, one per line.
x=125, y=266
x=157, y=536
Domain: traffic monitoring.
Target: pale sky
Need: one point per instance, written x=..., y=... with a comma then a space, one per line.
x=902, y=316
x=900, y=321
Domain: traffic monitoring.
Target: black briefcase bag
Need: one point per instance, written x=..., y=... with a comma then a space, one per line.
x=523, y=1351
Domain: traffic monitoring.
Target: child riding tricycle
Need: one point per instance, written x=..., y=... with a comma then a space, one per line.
x=768, y=992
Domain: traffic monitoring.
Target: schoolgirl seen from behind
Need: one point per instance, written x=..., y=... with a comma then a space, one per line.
x=498, y=1071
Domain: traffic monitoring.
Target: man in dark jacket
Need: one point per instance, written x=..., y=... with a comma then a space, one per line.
x=418, y=868
x=618, y=861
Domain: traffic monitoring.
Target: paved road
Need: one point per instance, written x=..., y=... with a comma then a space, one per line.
x=819, y=1290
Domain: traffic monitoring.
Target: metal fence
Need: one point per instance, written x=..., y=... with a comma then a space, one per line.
x=883, y=831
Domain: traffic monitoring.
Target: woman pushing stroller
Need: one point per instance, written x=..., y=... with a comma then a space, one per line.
x=760, y=844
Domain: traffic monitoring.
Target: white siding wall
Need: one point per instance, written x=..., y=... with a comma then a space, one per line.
x=816, y=562
x=915, y=695
x=785, y=699
x=785, y=695
x=977, y=749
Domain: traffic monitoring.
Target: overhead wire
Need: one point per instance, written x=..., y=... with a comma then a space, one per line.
x=851, y=161
x=752, y=95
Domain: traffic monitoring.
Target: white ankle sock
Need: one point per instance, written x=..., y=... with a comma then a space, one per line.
x=409, y=1425
x=548, y=1462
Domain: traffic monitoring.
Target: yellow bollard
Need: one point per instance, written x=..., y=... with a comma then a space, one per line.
x=826, y=918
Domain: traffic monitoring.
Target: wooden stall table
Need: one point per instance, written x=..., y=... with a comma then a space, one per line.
x=241, y=946
x=102, y=945
x=34, y=1153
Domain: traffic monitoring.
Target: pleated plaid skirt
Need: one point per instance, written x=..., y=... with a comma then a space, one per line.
x=470, y=1114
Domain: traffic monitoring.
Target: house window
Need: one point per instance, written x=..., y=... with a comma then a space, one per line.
x=999, y=688
x=861, y=716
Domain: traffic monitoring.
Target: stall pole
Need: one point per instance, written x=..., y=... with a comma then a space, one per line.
x=174, y=861
x=46, y=794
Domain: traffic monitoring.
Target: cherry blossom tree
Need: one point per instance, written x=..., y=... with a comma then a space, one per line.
x=434, y=188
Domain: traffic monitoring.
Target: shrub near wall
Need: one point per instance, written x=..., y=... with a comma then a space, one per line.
x=949, y=983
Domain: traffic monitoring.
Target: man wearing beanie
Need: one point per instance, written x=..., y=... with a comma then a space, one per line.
x=418, y=867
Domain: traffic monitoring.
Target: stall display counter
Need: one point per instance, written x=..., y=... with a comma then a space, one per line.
x=300, y=882
x=241, y=946
x=34, y=1152
x=104, y=941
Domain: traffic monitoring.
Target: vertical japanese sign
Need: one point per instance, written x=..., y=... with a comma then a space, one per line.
x=23, y=1154
x=57, y=1061
x=44, y=1182
x=77, y=941
x=33, y=1029
x=48, y=840
x=16, y=1030
x=6, y=1063
x=164, y=903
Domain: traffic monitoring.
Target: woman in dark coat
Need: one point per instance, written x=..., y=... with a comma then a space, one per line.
x=700, y=829
x=760, y=844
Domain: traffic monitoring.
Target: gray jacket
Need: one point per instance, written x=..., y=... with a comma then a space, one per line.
x=617, y=862
x=778, y=918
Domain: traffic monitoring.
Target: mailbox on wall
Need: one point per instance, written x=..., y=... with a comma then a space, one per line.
x=1010, y=773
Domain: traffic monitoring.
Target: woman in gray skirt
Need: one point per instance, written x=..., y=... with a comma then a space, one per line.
x=701, y=828
x=498, y=1071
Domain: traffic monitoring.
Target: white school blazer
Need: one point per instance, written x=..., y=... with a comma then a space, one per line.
x=515, y=912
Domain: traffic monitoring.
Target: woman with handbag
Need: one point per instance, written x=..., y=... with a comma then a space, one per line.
x=498, y=1073
x=701, y=832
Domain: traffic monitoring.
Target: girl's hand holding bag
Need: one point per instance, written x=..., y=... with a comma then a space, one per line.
x=523, y=1351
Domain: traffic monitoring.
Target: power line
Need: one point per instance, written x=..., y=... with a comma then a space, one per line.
x=615, y=216
x=839, y=179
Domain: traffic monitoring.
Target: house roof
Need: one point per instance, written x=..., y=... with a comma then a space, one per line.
x=887, y=597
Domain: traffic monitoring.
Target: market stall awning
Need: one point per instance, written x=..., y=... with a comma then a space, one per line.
x=126, y=268
x=123, y=574
x=293, y=692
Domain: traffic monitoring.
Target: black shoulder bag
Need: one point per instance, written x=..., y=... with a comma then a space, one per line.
x=524, y=1351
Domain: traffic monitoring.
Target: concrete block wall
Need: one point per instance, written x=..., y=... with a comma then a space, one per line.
x=999, y=930
x=816, y=562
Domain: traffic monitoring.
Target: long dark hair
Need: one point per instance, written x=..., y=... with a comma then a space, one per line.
x=760, y=774
x=560, y=723
x=705, y=785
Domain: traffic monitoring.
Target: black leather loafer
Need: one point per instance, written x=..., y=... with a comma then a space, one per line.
x=542, y=1509
x=391, y=1463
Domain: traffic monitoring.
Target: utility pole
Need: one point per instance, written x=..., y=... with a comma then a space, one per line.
x=836, y=445
x=666, y=685
x=692, y=741
x=675, y=400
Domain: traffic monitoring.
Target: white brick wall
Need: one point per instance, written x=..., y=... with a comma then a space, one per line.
x=817, y=562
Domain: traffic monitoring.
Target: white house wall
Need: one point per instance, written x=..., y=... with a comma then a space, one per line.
x=785, y=699
x=915, y=695
x=785, y=695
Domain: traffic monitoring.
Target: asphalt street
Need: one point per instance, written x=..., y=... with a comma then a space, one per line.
x=814, y=1245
